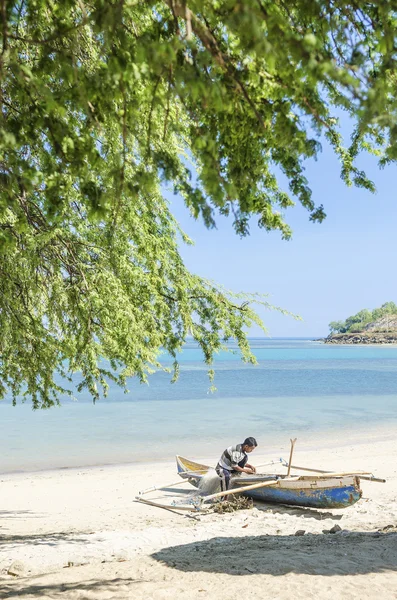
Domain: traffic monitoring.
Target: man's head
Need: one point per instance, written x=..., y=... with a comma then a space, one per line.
x=249, y=444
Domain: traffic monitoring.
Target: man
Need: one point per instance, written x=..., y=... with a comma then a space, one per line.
x=234, y=460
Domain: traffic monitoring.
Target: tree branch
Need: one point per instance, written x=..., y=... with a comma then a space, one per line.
x=150, y=115
x=210, y=43
x=53, y=38
x=226, y=302
x=5, y=30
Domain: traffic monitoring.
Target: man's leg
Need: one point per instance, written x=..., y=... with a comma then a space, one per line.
x=225, y=480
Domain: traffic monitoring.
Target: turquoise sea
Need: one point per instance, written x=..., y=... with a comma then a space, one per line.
x=300, y=388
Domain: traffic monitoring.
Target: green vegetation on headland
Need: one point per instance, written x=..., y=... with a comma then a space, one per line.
x=378, y=326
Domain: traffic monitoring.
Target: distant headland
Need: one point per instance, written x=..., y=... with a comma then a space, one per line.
x=378, y=326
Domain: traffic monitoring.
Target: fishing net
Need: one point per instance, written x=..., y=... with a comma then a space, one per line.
x=209, y=484
x=234, y=503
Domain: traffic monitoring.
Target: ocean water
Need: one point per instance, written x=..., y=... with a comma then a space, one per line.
x=300, y=388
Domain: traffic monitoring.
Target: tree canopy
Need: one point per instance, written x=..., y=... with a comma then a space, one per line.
x=104, y=104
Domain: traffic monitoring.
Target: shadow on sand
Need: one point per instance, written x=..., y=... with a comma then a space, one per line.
x=47, y=539
x=89, y=589
x=18, y=514
x=298, y=511
x=343, y=553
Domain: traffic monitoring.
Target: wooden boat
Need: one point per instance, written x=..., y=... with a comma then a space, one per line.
x=314, y=491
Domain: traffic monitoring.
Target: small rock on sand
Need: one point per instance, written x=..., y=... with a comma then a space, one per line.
x=17, y=568
x=335, y=529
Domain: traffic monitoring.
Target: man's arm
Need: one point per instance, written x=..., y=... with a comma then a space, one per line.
x=251, y=467
x=247, y=469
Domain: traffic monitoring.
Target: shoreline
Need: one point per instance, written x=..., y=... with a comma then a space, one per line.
x=306, y=441
x=362, y=338
x=355, y=344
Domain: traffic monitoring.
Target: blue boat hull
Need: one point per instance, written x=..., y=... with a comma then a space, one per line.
x=336, y=497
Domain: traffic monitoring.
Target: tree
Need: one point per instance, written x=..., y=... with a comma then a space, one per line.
x=105, y=102
x=364, y=316
x=358, y=321
x=388, y=309
x=337, y=327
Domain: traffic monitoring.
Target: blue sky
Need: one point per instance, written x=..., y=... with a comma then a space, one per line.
x=327, y=271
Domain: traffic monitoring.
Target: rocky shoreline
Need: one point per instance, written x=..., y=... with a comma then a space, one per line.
x=385, y=337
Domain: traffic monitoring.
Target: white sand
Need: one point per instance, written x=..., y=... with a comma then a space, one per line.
x=79, y=535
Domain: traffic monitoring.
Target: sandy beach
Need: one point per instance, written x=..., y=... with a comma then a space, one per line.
x=79, y=534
